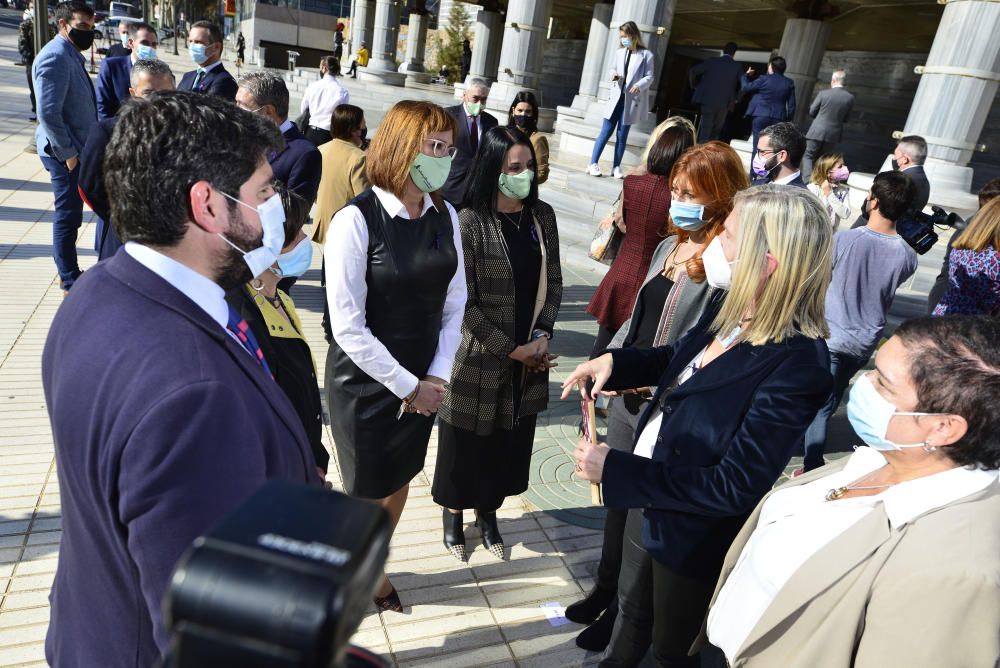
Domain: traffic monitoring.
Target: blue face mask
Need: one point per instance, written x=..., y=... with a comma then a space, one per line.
x=626, y=42
x=198, y=53
x=296, y=261
x=870, y=413
x=145, y=52
x=687, y=216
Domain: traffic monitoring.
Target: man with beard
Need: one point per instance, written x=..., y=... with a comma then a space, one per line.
x=164, y=413
x=780, y=148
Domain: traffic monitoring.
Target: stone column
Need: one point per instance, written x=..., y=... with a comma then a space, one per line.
x=382, y=67
x=520, y=65
x=594, y=59
x=416, y=43
x=362, y=24
x=486, y=36
x=957, y=88
x=803, y=44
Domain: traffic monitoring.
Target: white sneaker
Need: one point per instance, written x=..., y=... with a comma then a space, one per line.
x=617, y=173
x=594, y=170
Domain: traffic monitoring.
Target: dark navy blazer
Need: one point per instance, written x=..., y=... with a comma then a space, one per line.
x=90, y=179
x=299, y=166
x=217, y=81
x=113, y=82
x=726, y=436
x=162, y=425
x=774, y=96
x=716, y=82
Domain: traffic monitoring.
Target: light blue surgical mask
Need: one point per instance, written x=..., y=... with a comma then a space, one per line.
x=198, y=53
x=296, y=261
x=144, y=52
x=272, y=220
x=626, y=42
x=870, y=413
x=687, y=216
x=124, y=37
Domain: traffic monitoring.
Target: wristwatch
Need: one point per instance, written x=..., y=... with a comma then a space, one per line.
x=539, y=333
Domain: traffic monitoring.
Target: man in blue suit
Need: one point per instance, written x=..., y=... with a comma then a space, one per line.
x=299, y=165
x=716, y=83
x=113, y=80
x=773, y=98
x=164, y=416
x=780, y=148
x=205, y=48
x=67, y=110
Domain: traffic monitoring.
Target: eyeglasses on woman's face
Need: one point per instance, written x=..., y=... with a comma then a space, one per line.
x=439, y=149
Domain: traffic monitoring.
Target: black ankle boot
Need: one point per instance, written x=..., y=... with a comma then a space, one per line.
x=492, y=540
x=454, y=534
x=595, y=638
x=591, y=607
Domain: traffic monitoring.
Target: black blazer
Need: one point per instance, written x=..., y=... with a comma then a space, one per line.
x=90, y=179
x=726, y=436
x=216, y=82
x=921, y=193
x=454, y=187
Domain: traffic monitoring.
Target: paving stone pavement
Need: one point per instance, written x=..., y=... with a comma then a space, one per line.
x=485, y=612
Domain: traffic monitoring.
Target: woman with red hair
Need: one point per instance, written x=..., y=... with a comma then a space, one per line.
x=670, y=301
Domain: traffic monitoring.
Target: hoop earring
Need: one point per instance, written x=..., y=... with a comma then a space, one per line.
x=929, y=448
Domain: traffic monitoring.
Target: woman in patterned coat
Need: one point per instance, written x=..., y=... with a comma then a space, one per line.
x=499, y=380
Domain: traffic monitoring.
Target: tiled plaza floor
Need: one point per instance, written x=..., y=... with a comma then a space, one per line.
x=485, y=612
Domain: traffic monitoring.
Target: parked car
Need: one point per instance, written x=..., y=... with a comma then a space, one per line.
x=108, y=28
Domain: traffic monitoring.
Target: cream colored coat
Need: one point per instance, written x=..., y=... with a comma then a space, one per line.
x=343, y=179
x=925, y=595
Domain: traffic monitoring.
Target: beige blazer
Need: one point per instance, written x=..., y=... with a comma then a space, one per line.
x=541, y=146
x=926, y=595
x=343, y=179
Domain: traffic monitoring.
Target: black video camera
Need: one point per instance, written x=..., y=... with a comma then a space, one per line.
x=281, y=582
x=917, y=227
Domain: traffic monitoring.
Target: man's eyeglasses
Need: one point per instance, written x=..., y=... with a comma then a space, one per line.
x=766, y=151
x=439, y=149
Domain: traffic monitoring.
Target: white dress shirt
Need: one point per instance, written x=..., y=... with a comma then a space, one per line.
x=647, y=439
x=321, y=98
x=210, y=67
x=346, y=255
x=797, y=522
x=203, y=291
x=788, y=179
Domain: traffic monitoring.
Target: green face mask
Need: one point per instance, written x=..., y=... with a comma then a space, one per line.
x=517, y=186
x=473, y=108
x=428, y=173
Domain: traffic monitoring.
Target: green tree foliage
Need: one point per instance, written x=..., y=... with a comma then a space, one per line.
x=450, y=51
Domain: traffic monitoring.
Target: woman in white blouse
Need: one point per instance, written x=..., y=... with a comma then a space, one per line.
x=828, y=181
x=396, y=288
x=889, y=557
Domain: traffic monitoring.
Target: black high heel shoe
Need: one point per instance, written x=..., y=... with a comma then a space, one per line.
x=388, y=603
x=492, y=540
x=590, y=608
x=454, y=534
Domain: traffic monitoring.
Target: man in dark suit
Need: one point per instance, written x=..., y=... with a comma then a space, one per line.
x=779, y=152
x=473, y=122
x=773, y=98
x=114, y=78
x=148, y=76
x=205, y=48
x=830, y=109
x=299, y=165
x=163, y=416
x=716, y=83
x=908, y=157
x=120, y=48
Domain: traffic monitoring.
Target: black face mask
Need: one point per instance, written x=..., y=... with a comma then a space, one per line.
x=83, y=39
x=364, y=133
x=522, y=121
x=895, y=165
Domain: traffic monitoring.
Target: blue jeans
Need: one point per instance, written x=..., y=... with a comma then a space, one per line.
x=842, y=367
x=66, y=221
x=607, y=128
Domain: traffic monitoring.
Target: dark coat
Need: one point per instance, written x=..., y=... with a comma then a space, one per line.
x=117, y=51
x=454, y=187
x=113, y=82
x=726, y=436
x=773, y=96
x=921, y=193
x=162, y=425
x=216, y=82
x=480, y=397
x=90, y=177
x=299, y=165
x=716, y=83
x=830, y=108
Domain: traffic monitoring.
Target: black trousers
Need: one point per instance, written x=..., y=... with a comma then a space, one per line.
x=655, y=605
x=31, y=83
x=317, y=136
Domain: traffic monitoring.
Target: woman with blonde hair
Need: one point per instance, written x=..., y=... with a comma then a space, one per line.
x=828, y=181
x=671, y=299
x=396, y=288
x=974, y=267
x=631, y=76
x=733, y=399
x=669, y=122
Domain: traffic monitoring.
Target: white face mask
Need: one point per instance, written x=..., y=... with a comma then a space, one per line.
x=718, y=270
x=870, y=413
x=272, y=220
